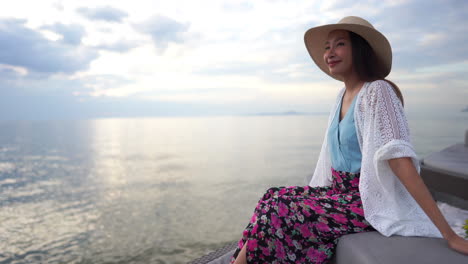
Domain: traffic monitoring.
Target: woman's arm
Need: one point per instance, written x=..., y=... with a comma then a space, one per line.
x=408, y=175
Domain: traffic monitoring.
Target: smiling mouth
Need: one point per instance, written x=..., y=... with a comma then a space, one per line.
x=333, y=63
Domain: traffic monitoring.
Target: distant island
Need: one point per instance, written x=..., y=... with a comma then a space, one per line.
x=281, y=113
x=465, y=110
x=286, y=113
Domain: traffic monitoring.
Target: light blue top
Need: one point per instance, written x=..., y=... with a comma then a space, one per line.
x=343, y=143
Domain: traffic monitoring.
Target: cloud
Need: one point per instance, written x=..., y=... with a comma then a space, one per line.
x=24, y=47
x=105, y=13
x=431, y=37
x=98, y=85
x=164, y=30
x=58, y=5
x=119, y=46
x=237, y=6
x=71, y=34
x=8, y=72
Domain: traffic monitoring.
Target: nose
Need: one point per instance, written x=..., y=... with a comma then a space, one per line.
x=330, y=53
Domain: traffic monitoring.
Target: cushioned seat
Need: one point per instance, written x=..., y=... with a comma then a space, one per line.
x=373, y=248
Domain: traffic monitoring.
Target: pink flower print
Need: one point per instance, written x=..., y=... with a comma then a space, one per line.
x=254, y=229
x=315, y=255
x=355, y=182
x=252, y=244
x=357, y=210
x=288, y=240
x=296, y=226
x=297, y=245
x=309, y=202
x=241, y=243
x=282, y=192
x=280, y=254
x=321, y=256
x=253, y=219
x=339, y=218
x=306, y=213
x=318, y=209
x=300, y=217
x=358, y=224
x=322, y=219
x=292, y=256
x=275, y=221
x=338, y=178
x=293, y=207
x=339, y=209
x=283, y=210
x=322, y=227
x=335, y=173
x=266, y=251
x=305, y=231
x=261, y=234
x=279, y=233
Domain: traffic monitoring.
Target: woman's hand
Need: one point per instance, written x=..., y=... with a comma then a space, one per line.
x=459, y=244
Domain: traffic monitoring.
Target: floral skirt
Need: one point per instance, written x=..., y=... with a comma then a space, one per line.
x=303, y=224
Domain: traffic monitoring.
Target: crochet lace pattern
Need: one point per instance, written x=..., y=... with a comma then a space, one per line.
x=383, y=134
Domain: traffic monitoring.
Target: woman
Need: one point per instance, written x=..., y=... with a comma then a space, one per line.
x=366, y=177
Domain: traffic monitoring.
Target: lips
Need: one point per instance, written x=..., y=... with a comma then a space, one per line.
x=332, y=64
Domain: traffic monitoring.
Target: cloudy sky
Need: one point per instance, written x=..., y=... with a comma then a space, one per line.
x=66, y=59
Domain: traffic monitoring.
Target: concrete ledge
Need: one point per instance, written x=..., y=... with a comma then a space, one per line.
x=444, y=181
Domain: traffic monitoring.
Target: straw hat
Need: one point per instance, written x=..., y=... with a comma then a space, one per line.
x=316, y=37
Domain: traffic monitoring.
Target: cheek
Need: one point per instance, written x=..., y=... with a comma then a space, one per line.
x=349, y=53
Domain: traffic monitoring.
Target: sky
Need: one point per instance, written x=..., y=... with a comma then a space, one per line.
x=66, y=59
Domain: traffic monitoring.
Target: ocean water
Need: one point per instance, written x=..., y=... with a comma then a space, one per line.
x=155, y=190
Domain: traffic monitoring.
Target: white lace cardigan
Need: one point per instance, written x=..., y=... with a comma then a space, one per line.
x=383, y=134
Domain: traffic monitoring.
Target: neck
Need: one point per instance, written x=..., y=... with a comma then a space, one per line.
x=353, y=84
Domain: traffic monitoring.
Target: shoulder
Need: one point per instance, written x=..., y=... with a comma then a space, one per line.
x=379, y=87
x=379, y=90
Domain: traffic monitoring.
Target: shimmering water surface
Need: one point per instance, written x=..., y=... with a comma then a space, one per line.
x=161, y=190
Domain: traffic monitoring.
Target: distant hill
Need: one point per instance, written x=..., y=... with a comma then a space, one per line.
x=281, y=113
x=465, y=110
x=287, y=113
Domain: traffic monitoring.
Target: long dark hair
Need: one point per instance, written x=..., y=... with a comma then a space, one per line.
x=366, y=63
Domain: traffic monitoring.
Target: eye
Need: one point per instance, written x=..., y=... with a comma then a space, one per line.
x=340, y=44
x=327, y=47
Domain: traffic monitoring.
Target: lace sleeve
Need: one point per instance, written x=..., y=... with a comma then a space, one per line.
x=392, y=136
x=391, y=123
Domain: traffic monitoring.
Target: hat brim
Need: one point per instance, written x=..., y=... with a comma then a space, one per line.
x=316, y=37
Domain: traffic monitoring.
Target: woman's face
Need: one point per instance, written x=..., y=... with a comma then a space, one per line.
x=338, y=53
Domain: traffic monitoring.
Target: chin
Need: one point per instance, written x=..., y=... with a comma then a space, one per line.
x=334, y=73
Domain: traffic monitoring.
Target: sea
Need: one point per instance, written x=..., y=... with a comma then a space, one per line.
x=156, y=190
